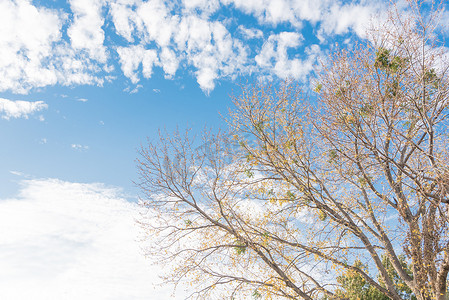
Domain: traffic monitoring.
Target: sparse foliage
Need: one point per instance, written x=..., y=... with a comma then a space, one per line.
x=354, y=287
x=342, y=197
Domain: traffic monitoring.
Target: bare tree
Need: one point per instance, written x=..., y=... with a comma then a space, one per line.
x=305, y=191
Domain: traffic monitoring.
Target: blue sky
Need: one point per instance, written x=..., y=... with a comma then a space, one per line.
x=103, y=75
x=83, y=83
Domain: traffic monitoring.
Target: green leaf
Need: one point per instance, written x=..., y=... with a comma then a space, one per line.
x=256, y=294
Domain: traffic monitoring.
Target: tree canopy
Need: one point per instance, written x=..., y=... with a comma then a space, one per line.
x=343, y=196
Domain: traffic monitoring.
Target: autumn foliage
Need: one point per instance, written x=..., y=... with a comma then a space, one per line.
x=336, y=196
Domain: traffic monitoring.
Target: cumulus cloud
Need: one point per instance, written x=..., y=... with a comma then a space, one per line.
x=206, y=45
x=27, y=34
x=341, y=18
x=273, y=56
x=212, y=50
x=206, y=7
x=33, y=52
x=156, y=22
x=267, y=11
x=64, y=240
x=123, y=18
x=169, y=62
x=337, y=16
x=19, y=109
x=85, y=32
x=40, y=46
x=130, y=59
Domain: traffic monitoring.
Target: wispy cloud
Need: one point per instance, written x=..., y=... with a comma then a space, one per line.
x=250, y=33
x=19, y=109
x=17, y=173
x=79, y=147
x=136, y=89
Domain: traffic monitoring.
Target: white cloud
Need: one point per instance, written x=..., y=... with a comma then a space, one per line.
x=130, y=59
x=136, y=89
x=205, y=78
x=156, y=22
x=85, y=32
x=27, y=34
x=169, y=62
x=310, y=10
x=34, y=54
x=274, y=57
x=251, y=33
x=212, y=50
x=19, y=109
x=41, y=46
x=63, y=240
x=261, y=9
x=17, y=173
x=207, y=7
x=123, y=18
x=339, y=19
x=335, y=16
x=79, y=147
x=149, y=60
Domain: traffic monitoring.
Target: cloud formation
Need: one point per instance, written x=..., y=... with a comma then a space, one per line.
x=42, y=46
x=64, y=240
x=19, y=109
x=33, y=52
x=274, y=56
x=85, y=32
